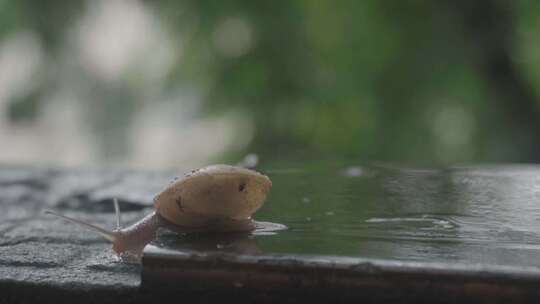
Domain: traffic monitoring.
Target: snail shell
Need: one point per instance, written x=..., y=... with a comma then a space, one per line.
x=211, y=194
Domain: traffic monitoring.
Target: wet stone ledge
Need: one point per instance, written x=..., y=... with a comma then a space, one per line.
x=42, y=258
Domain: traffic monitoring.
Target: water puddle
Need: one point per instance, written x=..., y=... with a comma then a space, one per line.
x=481, y=214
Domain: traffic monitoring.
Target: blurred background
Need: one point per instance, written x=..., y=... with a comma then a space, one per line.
x=164, y=84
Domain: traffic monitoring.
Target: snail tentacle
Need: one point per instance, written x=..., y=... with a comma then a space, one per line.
x=117, y=211
x=109, y=235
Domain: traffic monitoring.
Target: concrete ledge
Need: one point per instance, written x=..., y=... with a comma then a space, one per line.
x=326, y=278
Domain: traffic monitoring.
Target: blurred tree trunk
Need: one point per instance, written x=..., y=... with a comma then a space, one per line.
x=488, y=27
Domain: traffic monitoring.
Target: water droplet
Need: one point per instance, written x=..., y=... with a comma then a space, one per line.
x=249, y=161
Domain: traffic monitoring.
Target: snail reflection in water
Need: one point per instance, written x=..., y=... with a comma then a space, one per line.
x=218, y=198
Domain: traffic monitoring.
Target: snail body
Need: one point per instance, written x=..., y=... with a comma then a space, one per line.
x=213, y=198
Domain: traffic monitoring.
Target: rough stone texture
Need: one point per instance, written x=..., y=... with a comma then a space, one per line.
x=43, y=256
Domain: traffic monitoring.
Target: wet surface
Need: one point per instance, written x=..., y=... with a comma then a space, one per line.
x=487, y=215
x=476, y=214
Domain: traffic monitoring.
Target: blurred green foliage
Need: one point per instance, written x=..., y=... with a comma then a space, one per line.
x=421, y=81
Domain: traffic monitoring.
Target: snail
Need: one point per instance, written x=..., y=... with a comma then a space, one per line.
x=214, y=198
